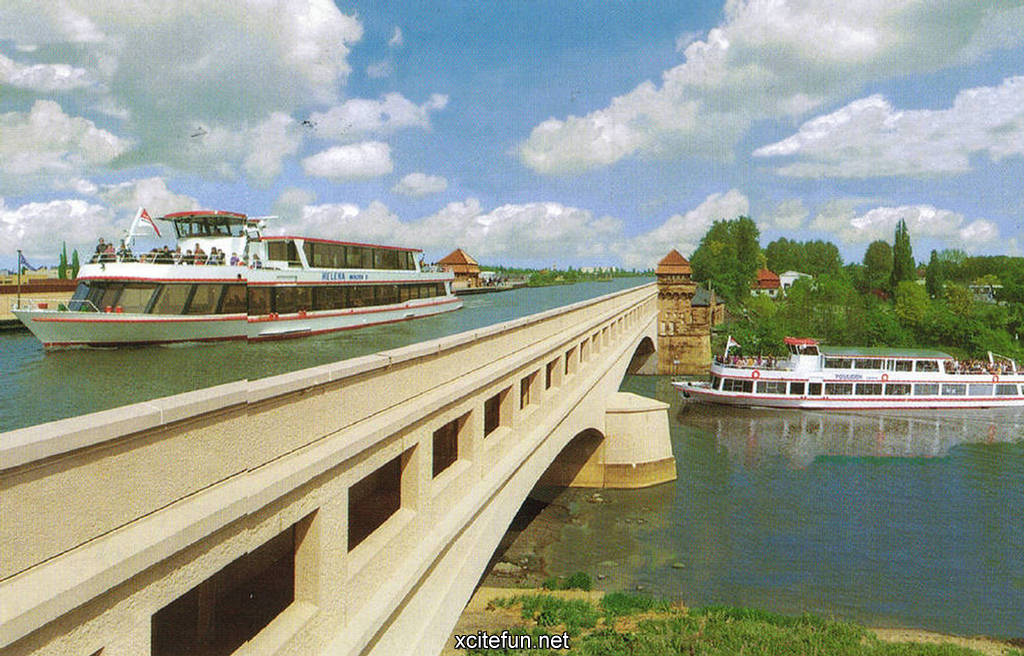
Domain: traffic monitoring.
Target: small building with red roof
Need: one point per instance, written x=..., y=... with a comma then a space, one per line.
x=465, y=268
x=767, y=283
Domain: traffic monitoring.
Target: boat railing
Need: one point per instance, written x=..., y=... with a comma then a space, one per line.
x=68, y=305
x=767, y=363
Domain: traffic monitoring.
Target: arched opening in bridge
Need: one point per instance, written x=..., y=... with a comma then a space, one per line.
x=645, y=358
x=577, y=465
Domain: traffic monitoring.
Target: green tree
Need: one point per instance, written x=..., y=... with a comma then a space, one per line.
x=62, y=267
x=878, y=260
x=911, y=303
x=727, y=258
x=903, y=267
x=933, y=278
x=75, y=266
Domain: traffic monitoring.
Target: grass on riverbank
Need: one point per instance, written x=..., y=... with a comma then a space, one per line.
x=637, y=625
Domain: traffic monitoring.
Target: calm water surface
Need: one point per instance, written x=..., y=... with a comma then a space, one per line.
x=39, y=386
x=912, y=519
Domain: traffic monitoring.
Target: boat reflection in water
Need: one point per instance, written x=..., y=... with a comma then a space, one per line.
x=800, y=436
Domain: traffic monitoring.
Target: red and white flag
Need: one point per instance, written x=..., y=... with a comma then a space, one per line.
x=731, y=343
x=146, y=216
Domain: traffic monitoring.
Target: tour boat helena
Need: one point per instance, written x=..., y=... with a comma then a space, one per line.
x=845, y=378
x=227, y=281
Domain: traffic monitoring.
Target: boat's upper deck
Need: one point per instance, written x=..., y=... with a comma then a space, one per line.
x=807, y=358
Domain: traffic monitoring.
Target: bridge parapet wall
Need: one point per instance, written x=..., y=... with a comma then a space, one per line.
x=111, y=516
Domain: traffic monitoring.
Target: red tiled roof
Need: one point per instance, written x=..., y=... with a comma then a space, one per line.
x=767, y=280
x=457, y=256
x=673, y=263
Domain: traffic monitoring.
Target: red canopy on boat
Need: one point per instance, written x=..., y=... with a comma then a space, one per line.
x=800, y=341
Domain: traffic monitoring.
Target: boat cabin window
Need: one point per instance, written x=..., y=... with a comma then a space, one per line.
x=954, y=389
x=814, y=389
x=283, y=251
x=904, y=365
x=838, y=388
x=796, y=388
x=866, y=363
x=135, y=297
x=737, y=385
x=1004, y=389
x=328, y=255
x=234, y=300
x=803, y=349
x=171, y=299
x=926, y=389
x=771, y=387
x=869, y=389
x=897, y=389
x=979, y=389
x=210, y=227
x=838, y=363
x=931, y=366
x=204, y=299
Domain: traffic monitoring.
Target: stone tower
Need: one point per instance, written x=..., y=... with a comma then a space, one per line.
x=684, y=336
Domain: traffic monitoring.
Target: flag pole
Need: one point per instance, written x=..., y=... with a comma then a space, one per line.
x=19, y=279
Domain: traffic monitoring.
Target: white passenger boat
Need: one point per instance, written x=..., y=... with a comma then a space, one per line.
x=258, y=288
x=844, y=378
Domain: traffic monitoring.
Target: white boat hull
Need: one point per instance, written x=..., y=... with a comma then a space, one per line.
x=62, y=328
x=702, y=392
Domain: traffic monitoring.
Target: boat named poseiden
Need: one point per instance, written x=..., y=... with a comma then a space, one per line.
x=845, y=378
x=267, y=288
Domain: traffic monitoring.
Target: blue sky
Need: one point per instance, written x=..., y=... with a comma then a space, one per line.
x=527, y=132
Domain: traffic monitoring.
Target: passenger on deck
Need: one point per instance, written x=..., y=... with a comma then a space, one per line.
x=188, y=257
x=176, y=256
x=199, y=255
x=256, y=264
x=235, y=261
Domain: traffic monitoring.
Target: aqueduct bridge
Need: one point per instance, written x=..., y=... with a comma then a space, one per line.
x=346, y=509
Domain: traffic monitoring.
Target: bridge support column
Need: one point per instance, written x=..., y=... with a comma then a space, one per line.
x=635, y=450
x=637, y=446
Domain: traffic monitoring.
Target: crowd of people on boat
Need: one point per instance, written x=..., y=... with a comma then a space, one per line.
x=105, y=252
x=996, y=368
x=748, y=362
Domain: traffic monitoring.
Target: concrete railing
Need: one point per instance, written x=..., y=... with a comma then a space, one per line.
x=121, y=511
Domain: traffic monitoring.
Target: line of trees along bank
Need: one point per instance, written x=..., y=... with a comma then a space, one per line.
x=877, y=302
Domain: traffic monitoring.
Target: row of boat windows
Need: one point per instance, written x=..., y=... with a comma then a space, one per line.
x=878, y=363
x=341, y=256
x=862, y=389
x=207, y=298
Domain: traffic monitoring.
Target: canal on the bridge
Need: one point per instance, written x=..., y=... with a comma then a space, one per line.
x=38, y=386
x=910, y=519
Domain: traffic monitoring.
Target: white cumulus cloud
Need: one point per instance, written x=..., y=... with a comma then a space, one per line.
x=360, y=116
x=682, y=232
x=43, y=78
x=150, y=193
x=46, y=144
x=870, y=138
x=769, y=59
x=362, y=161
x=419, y=185
x=39, y=228
x=923, y=221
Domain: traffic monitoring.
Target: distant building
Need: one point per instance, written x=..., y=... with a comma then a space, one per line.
x=767, y=283
x=465, y=268
x=686, y=314
x=984, y=293
x=788, y=278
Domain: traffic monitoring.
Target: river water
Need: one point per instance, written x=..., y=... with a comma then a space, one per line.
x=910, y=519
x=899, y=519
x=38, y=386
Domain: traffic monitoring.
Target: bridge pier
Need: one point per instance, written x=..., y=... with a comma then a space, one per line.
x=634, y=452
